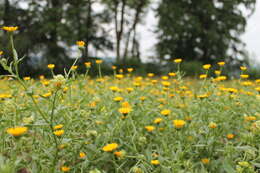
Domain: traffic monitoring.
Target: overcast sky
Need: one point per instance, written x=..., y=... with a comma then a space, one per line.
x=251, y=37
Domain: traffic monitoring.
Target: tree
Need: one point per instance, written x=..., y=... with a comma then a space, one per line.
x=126, y=17
x=47, y=29
x=202, y=30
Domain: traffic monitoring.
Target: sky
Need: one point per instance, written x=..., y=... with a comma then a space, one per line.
x=251, y=37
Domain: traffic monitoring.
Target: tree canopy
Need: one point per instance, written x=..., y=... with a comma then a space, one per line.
x=202, y=30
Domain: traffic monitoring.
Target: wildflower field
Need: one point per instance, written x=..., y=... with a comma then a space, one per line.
x=126, y=123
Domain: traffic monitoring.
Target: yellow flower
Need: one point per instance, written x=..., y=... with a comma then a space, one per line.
x=130, y=70
x=5, y=96
x=165, y=77
x=58, y=132
x=80, y=43
x=205, y=161
x=124, y=110
x=130, y=89
x=99, y=61
x=179, y=123
x=221, y=78
x=165, y=112
x=26, y=78
x=120, y=154
x=82, y=155
x=212, y=125
x=1, y=53
x=59, y=126
x=74, y=67
x=166, y=83
x=65, y=169
x=110, y=147
x=10, y=28
x=177, y=61
x=88, y=64
x=118, y=99
x=155, y=162
x=114, y=88
x=157, y=120
x=42, y=77
x=221, y=63
x=119, y=76
x=113, y=67
x=243, y=68
x=150, y=74
x=244, y=76
x=230, y=136
x=206, y=66
x=47, y=94
x=203, y=76
x=217, y=72
x=51, y=66
x=149, y=128
x=17, y=131
x=172, y=74
x=250, y=118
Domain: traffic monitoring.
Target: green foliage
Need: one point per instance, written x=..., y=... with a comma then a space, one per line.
x=206, y=31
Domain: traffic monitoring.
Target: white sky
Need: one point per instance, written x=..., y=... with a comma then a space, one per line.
x=251, y=36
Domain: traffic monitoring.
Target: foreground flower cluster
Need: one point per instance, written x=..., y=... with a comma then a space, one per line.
x=127, y=123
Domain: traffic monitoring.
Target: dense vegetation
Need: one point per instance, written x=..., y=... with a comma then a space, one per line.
x=125, y=123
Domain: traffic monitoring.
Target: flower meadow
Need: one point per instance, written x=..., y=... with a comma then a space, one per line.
x=127, y=123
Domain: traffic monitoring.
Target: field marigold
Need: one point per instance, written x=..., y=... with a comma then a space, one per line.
x=124, y=110
x=59, y=126
x=212, y=125
x=17, y=131
x=149, y=128
x=203, y=76
x=27, y=78
x=230, y=136
x=74, y=67
x=150, y=74
x=99, y=61
x=179, y=123
x=46, y=95
x=110, y=147
x=82, y=155
x=172, y=74
x=250, y=118
x=120, y=154
x=10, y=28
x=165, y=112
x=155, y=162
x=51, y=66
x=65, y=169
x=243, y=68
x=205, y=161
x=118, y=99
x=80, y=43
x=244, y=76
x=88, y=64
x=177, y=61
x=58, y=132
x=222, y=63
x=157, y=120
x=130, y=70
x=206, y=66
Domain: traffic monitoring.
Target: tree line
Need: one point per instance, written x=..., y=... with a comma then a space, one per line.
x=201, y=30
